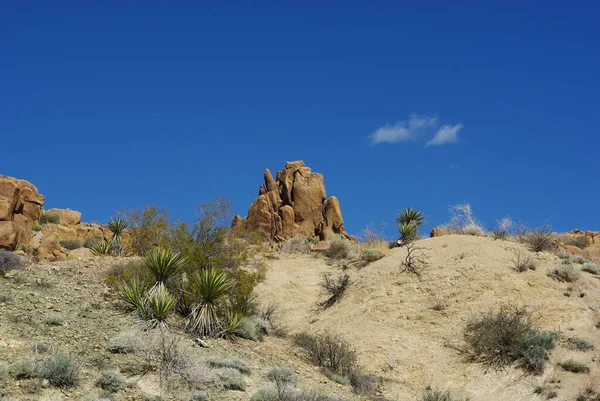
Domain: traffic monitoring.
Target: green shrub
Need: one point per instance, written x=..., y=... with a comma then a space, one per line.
x=230, y=363
x=22, y=369
x=71, y=244
x=581, y=344
x=9, y=261
x=36, y=227
x=501, y=338
x=566, y=273
x=338, y=249
x=60, y=370
x=49, y=218
x=231, y=379
x=370, y=255
x=575, y=367
x=110, y=381
x=284, y=379
x=91, y=242
x=53, y=319
x=265, y=394
x=328, y=350
x=408, y=232
x=103, y=248
x=149, y=228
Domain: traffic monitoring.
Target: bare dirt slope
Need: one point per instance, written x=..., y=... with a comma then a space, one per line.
x=390, y=316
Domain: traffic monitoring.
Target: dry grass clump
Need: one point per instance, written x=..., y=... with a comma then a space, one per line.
x=49, y=218
x=295, y=245
x=60, y=370
x=580, y=242
x=22, y=369
x=581, y=344
x=462, y=221
x=9, y=261
x=573, y=366
x=338, y=249
x=334, y=288
x=437, y=395
x=565, y=272
x=231, y=379
x=71, y=244
x=329, y=351
x=541, y=239
x=591, y=267
x=523, y=262
x=498, y=339
x=127, y=342
x=229, y=363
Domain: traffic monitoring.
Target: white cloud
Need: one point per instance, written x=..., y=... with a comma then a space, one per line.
x=446, y=134
x=404, y=130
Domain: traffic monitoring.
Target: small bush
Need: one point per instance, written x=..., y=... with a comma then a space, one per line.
x=231, y=363
x=91, y=242
x=591, y=267
x=501, y=338
x=53, y=320
x=522, y=262
x=473, y=229
x=36, y=227
x=254, y=328
x=333, y=288
x=110, y=381
x=295, y=245
x=338, y=249
x=9, y=261
x=49, y=218
x=22, y=369
x=265, y=394
x=71, y=244
x=363, y=383
x=578, y=259
x=503, y=229
x=127, y=342
x=198, y=396
x=575, y=367
x=369, y=255
x=541, y=239
x=328, y=350
x=439, y=396
x=60, y=370
x=565, y=273
x=580, y=242
x=231, y=379
x=284, y=379
x=581, y=344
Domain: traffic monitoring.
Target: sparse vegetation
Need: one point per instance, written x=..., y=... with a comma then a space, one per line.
x=591, y=267
x=436, y=395
x=49, y=218
x=284, y=379
x=329, y=351
x=575, y=367
x=295, y=245
x=110, y=381
x=523, y=262
x=498, y=339
x=60, y=370
x=581, y=344
x=462, y=220
x=368, y=255
x=71, y=244
x=22, y=369
x=231, y=379
x=36, y=227
x=362, y=383
x=127, y=342
x=9, y=261
x=333, y=288
x=580, y=242
x=540, y=239
x=338, y=249
x=53, y=319
x=149, y=227
x=503, y=229
x=102, y=248
x=229, y=363
x=414, y=260
x=565, y=273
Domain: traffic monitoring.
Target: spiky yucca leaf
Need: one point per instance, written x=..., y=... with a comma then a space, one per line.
x=233, y=322
x=208, y=287
x=163, y=264
x=117, y=225
x=408, y=232
x=410, y=215
x=160, y=302
x=102, y=247
x=134, y=293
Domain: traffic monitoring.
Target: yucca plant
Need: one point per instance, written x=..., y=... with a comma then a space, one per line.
x=134, y=293
x=116, y=226
x=408, y=232
x=159, y=303
x=233, y=322
x=163, y=264
x=208, y=287
x=410, y=215
x=102, y=247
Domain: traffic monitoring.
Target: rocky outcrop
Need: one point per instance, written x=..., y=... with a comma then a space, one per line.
x=294, y=204
x=20, y=208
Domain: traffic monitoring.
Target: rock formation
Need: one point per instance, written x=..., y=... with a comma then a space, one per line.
x=20, y=211
x=294, y=204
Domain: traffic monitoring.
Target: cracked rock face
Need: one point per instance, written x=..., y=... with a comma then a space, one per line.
x=294, y=204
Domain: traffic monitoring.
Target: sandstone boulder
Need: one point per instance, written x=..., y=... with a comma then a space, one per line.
x=67, y=217
x=293, y=204
x=439, y=231
x=81, y=253
x=64, y=232
x=10, y=235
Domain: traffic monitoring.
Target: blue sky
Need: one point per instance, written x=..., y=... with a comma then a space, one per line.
x=112, y=105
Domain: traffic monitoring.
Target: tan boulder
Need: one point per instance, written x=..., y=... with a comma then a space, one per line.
x=80, y=253
x=309, y=194
x=270, y=183
x=24, y=223
x=67, y=217
x=237, y=221
x=29, y=193
x=287, y=221
x=439, y=231
x=49, y=247
x=10, y=235
x=9, y=190
x=259, y=215
x=32, y=210
x=6, y=210
x=64, y=232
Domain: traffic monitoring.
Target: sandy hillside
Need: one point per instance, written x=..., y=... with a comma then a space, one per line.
x=389, y=317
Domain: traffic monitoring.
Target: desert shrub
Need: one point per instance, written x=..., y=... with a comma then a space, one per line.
x=5, y=298
x=580, y=242
x=503, y=229
x=575, y=367
x=436, y=395
x=53, y=319
x=328, y=350
x=333, y=288
x=473, y=229
x=22, y=369
x=581, y=344
x=577, y=259
x=522, y=262
x=284, y=380
x=362, y=383
x=163, y=264
x=71, y=244
x=149, y=227
x=462, y=220
x=566, y=273
x=126, y=342
x=295, y=245
x=591, y=267
x=266, y=394
x=254, y=328
x=540, y=239
x=60, y=370
x=126, y=273
x=208, y=288
x=369, y=255
x=110, y=381
x=91, y=242
x=49, y=218
x=9, y=261
x=36, y=227
x=498, y=339
x=230, y=363
x=338, y=249
x=408, y=232
x=231, y=379
x=103, y=248
x=198, y=396
x=309, y=396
